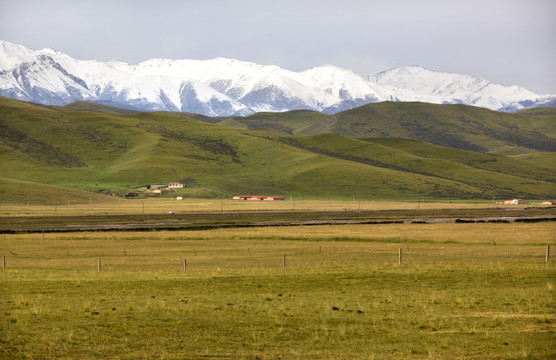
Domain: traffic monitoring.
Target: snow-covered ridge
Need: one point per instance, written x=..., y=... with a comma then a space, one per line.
x=221, y=86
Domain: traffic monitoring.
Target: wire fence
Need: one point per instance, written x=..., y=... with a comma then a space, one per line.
x=246, y=258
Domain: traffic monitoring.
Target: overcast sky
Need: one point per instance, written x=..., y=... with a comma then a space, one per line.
x=505, y=41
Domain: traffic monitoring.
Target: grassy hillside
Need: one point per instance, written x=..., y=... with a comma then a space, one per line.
x=457, y=126
x=540, y=158
x=289, y=122
x=98, y=148
x=84, y=105
x=493, y=172
x=20, y=191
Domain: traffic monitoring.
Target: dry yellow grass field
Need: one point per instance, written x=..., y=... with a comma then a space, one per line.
x=163, y=205
x=265, y=247
x=463, y=291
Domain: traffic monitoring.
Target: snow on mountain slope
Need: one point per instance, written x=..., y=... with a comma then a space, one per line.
x=222, y=87
x=50, y=77
x=11, y=55
x=342, y=83
x=264, y=88
x=36, y=76
x=420, y=84
x=348, y=88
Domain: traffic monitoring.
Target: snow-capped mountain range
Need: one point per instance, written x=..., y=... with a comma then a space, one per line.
x=222, y=87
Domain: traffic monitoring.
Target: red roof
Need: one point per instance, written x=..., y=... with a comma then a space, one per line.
x=260, y=197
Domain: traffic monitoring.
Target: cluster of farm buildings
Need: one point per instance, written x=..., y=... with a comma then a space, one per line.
x=158, y=189
x=179, y=185
x=163, y=188
x=151, y=190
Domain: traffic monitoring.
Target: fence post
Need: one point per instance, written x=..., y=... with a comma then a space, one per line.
x=547, y=253
x=3, y=262
x=284, y=261
x=400, y=255
x=184, y=264
x=99, y=267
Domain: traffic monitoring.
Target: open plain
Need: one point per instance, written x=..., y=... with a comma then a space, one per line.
x=463, y=290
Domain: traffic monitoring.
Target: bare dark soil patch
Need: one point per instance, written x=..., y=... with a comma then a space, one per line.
x=213, y=220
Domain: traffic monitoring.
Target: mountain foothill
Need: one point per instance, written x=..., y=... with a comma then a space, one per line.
x=386, y=150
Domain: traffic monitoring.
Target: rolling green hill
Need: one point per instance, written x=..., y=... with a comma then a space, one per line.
x=289, y=122
x=487, y=171
x=36, y=193
x=457, y=126
x=96, y=148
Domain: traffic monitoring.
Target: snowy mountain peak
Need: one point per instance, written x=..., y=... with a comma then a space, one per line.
x=12, y=55
x=222, y=86
x=49, y=51
x=417, y=83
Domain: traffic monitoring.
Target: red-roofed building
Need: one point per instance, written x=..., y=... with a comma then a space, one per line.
x=257, y=197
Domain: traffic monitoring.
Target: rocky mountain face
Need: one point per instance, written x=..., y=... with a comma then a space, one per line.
x=224, y=87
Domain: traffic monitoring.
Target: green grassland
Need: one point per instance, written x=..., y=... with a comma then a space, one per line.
x=456, y=126
x=290, y=122
x=471, y=168
x=542, y=158
x=463, y=291
x=94, y=148
x=37, y=193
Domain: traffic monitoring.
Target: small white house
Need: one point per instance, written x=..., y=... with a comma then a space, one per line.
x=175, y=185
x=517, y=202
